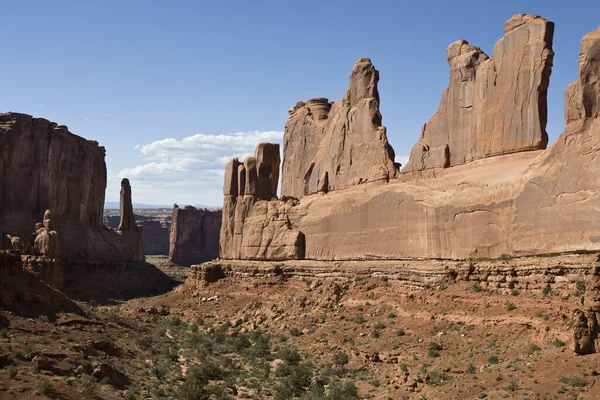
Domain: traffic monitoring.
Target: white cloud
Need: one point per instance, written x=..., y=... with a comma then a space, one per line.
x=189, y=170
x=402, y=160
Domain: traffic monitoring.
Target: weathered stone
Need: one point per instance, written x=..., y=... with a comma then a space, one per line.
x=47, y=242
x=267, y=160
x=251, y=186
x=524, y=203
x=255, y=214
x=127, y=223
x=44, y=166
x=491, y=106
x=194, y=236
x=230, y=188
x=344, y=141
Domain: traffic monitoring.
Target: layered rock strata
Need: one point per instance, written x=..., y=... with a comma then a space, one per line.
x=492, y=106
x=44, y=166
x=524, y=203
x=332, y=146
x=194, y=235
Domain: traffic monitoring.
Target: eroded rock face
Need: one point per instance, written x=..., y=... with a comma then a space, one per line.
x=47, y=242
x=492, y=106
x=194, y=236
x=523, y=203
x=44, y=166
x=331, y=146
x=127, y=222
x=255, y=224
x=156, y=236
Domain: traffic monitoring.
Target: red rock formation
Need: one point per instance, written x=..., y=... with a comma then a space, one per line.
x=127, y=221
x=334, y=146
x=252, y=212
x=44, y=166
x=492, y=106
x=523, y=203
x=156, y=236
x=194, y=235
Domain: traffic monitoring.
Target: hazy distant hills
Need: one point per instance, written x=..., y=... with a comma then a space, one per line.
x=115, y=204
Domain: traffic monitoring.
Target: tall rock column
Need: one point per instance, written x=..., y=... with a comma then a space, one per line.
x=132, y=233
x=127, y=223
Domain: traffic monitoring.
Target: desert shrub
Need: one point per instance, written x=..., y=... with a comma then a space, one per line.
x=392, y=315
x=512, y=386
x=573, y=381
x=436, y=377
x=385, y=278
x=510, y=306
x=3, y=334
x=476, y=287
x=11, y=371
x=379, y=325
x=505, y=257
x=194, y=387
x=579, y=288
x=547, y=290
x=493, y=360
x=400, y=332
x=295, y=332
x=290, y=355
x=534, y=348
x=341, y=390
x=45, y=387
x=340, y=359
x=470, y=368
x=558, y=343
x=515, y=292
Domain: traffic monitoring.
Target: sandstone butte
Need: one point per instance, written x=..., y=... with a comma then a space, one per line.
x=49, y=174
x=479, y=183
x=194, y=236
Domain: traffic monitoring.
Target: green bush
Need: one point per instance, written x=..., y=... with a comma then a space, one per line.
x=573, y=381
x=45, y=387
x=558, y=343
x=194, y=387
x=493, y=360
x=510, y=306
x=400, y=332
x=340, y=359
x=470, y=368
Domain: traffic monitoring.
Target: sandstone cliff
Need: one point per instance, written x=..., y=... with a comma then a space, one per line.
x=492, y=106
x=194, y=236
x=521, y=203
x=331, y=146
x=255, y=225
x=45, y=167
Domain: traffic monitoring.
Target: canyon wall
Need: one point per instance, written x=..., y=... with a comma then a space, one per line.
x=500, y=196
x=43, y=167
x=194, y=236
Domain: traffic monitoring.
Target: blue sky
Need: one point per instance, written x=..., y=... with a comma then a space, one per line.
x=217, y=77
